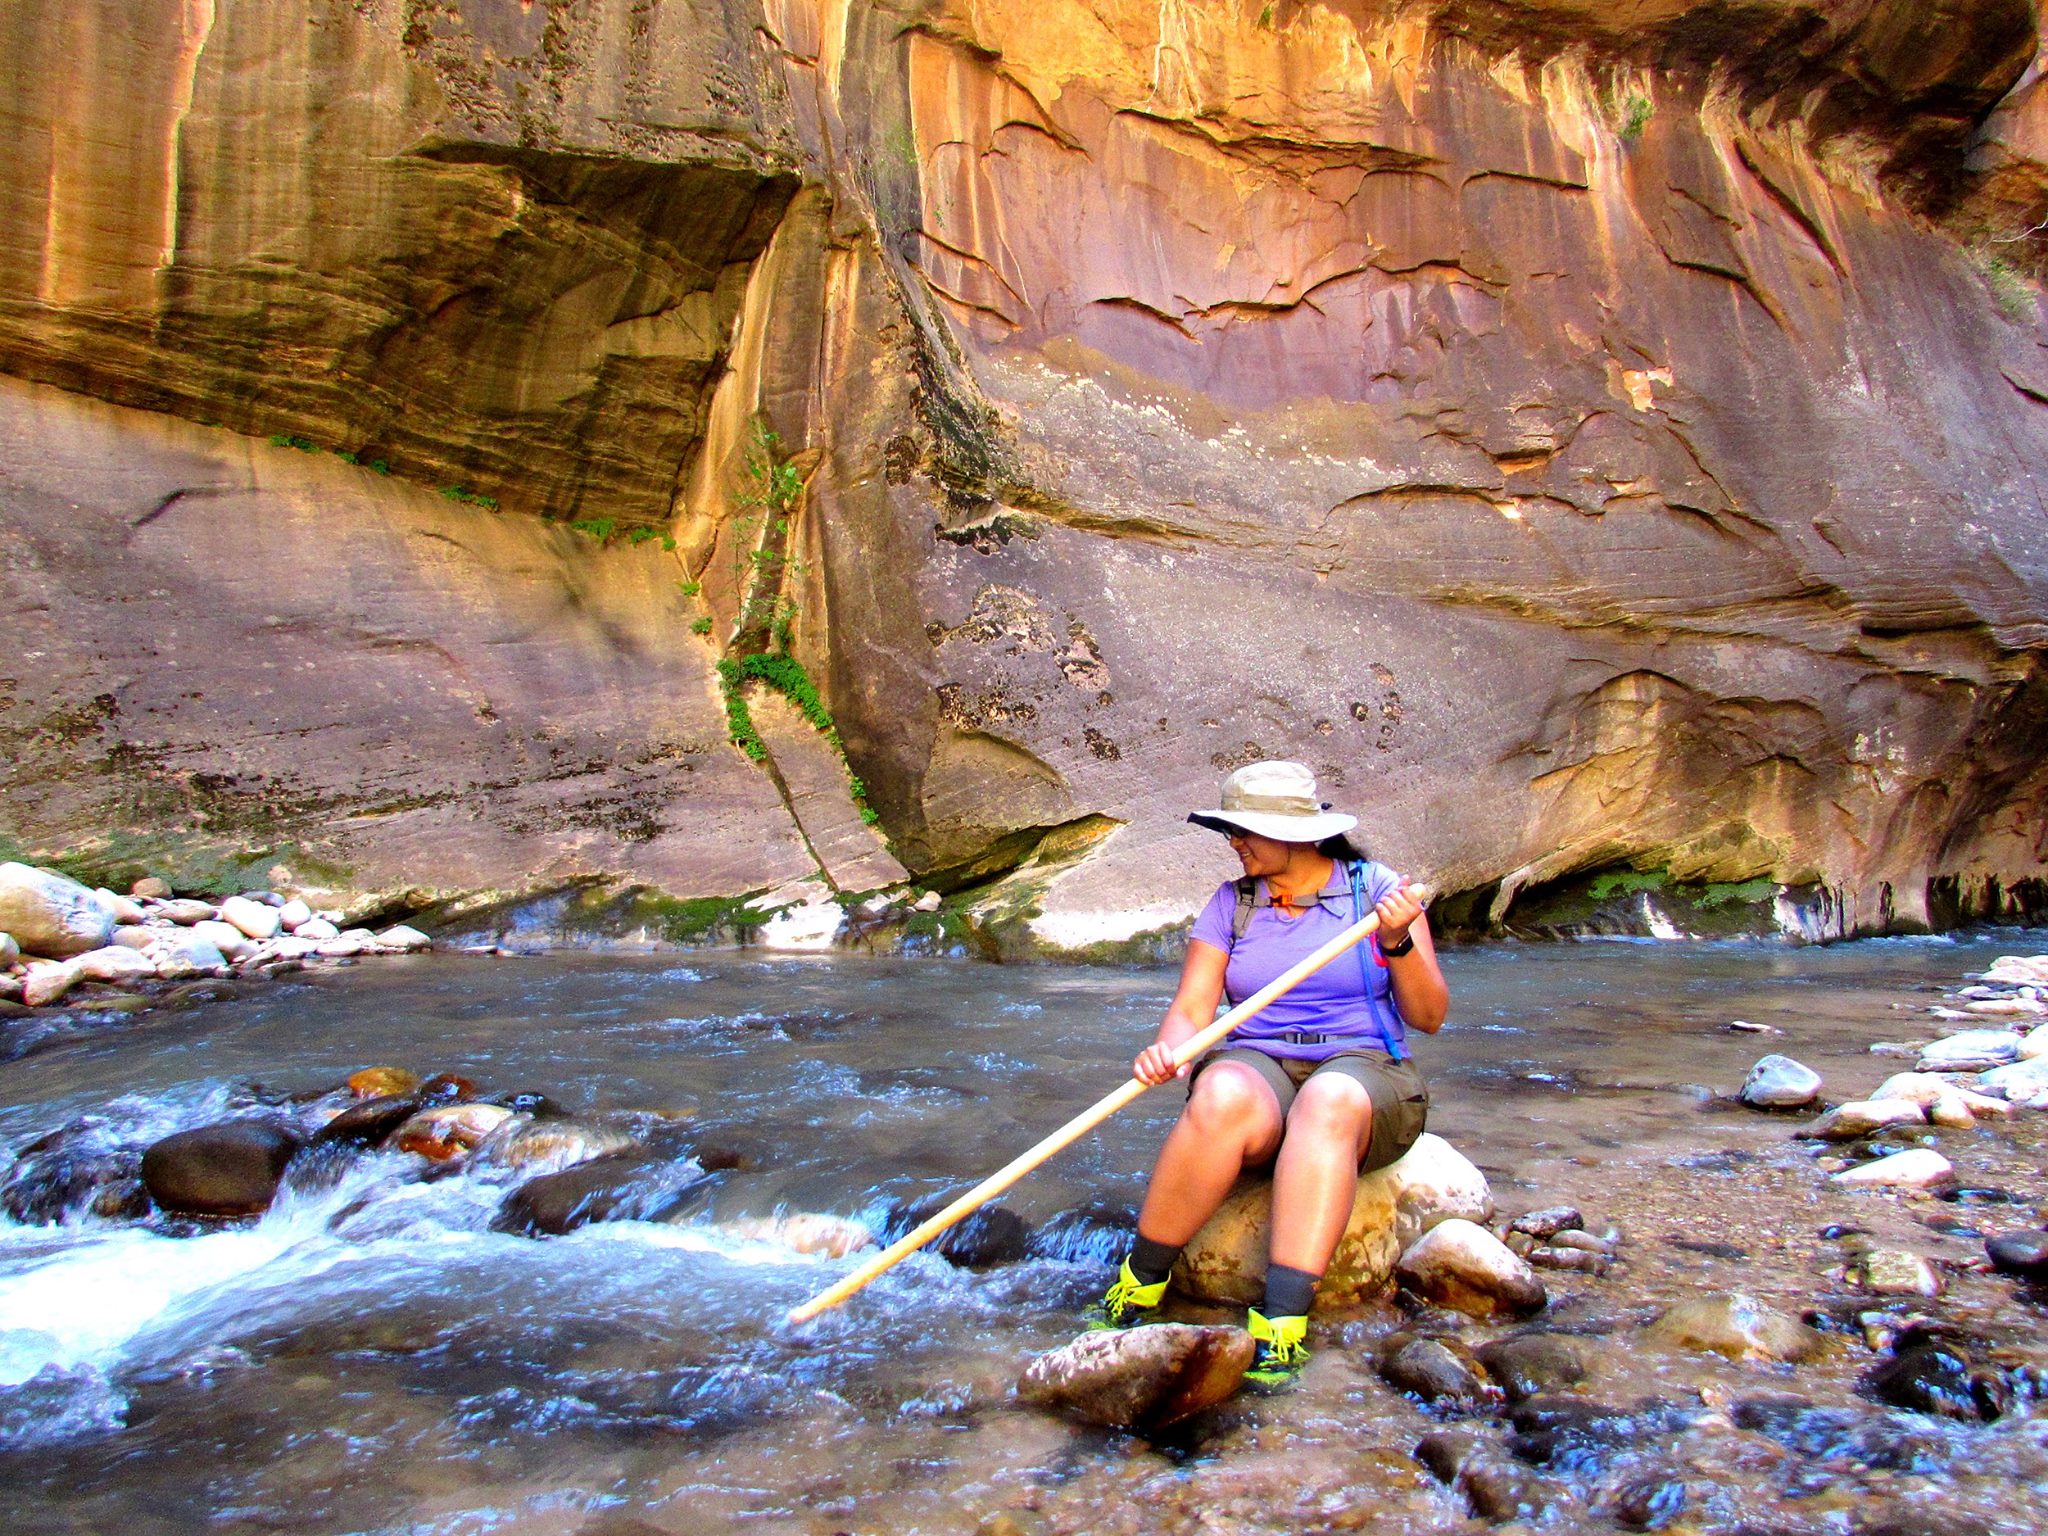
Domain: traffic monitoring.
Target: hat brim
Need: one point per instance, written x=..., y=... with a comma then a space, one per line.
x=1284, y=829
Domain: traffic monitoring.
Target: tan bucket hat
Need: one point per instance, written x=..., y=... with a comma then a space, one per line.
x=1277, y=800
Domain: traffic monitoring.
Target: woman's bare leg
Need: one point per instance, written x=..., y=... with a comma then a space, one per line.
x=1315, y=1178
x=1233, y=1120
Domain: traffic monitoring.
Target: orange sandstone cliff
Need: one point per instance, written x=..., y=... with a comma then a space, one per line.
x=1594, y=436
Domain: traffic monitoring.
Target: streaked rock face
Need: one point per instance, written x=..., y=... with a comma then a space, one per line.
x=1585, y=433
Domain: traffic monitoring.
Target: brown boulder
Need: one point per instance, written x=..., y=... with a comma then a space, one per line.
x=232, y=1168
x=1139, y=1378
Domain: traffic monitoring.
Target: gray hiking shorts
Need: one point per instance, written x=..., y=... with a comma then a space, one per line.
x=1400, y=1098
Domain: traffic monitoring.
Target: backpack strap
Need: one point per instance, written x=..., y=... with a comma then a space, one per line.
x=1247, y=895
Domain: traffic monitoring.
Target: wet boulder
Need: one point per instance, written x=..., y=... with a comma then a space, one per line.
x=987, y=1237
x=1394, y=1206
x=231, y=1168
x=547, y=1145
x=1531, y=1363
x=369, y=1122
x=382, y=1082
x=1861, y=1117
x=2019, y=1253
x=1914, y=1168
x=1446, y=1452
x=1089, y=1234
x=1460, y=1265
x=1498, y=1490
x=803, y=1232
x=1436, y=1371
x=448, y=1086
x=1894, y=1272
x=1937, y=1370
x=444, y=1132
x=1139, y=1378
x=2023, y=1082
x=51, y=914
x=66, y=1181
x=1779, y=1082
x=1737, y=1326
x=624, y=1186
x=1648, y=1500
x=1974, y=1050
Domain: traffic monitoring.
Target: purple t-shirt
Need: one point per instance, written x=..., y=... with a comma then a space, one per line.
x=1357, y=1010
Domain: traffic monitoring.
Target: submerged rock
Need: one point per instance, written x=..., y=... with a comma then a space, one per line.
x=1934, y=1370
x=1460, y=1265
x=1139, y=1378
x=992, y=1235
x=1738, y=1326
x=66, y=1181
x=1435, y=1371
x=231, y=1168
x=1531, y=1363
x=2019, y=1253
x=1395, y=1205
x=1890, y=1272
x=51, y=914
x=1779, y=1082
x=625, y=1186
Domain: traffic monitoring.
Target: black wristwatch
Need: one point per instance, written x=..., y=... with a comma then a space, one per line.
x=1396, y=951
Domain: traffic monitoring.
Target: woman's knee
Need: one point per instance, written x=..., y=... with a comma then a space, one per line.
x=1334, y=1108
x=1231, y=1099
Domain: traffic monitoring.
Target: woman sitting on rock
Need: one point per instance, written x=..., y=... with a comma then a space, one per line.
x=1319, y=1085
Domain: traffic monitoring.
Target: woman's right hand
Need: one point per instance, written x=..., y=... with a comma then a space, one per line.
x=1155, y=1065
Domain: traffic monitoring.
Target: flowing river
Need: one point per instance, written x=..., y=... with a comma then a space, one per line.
x=371, y=1356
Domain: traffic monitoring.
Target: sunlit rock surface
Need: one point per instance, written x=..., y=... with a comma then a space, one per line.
x=1588, y=434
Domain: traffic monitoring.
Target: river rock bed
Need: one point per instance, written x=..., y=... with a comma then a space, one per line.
x=1733, y=1361
x=97, y=951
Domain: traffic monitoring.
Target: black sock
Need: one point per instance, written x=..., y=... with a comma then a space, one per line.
x=1289, y=1292
x=1152, y=1262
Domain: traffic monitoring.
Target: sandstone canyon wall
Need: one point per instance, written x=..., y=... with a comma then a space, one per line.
x=1594, y=436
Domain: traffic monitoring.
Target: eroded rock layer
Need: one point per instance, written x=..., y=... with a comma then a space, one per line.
x=1590, y=435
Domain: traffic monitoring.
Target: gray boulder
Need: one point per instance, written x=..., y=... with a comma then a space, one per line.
x=1974, y=1050
x=1139, y=1378
x=1779, y=1082
x=51, y=914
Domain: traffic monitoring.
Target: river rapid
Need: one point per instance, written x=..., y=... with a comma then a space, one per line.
x=370, y=1356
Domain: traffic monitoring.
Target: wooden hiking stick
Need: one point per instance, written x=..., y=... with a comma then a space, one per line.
x=1089, y=1118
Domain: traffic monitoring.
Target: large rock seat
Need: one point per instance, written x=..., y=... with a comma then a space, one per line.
x=1395, y=1205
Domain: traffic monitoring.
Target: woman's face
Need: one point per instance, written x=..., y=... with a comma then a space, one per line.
x=1260, y=855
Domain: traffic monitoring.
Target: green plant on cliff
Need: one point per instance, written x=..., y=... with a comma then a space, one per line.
x=788, y=677
x=1635, y=116
x=469, y=498
x=598, y=528
x=2010, y=291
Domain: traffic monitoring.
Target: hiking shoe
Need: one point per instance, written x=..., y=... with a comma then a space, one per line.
x=1127, y=1300
x=1278, y=1352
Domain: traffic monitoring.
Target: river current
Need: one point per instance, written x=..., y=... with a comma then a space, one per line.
x=371, y=1356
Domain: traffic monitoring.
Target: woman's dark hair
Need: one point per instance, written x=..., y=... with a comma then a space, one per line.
x=1342, y=849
